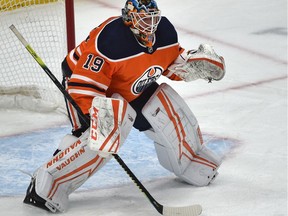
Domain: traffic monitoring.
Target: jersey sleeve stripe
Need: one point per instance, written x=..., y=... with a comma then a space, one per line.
x=86, y=85
x=78, y=49
x=88, y=80
x=85, y=92
x=75, y=56
x=168, y=73
x=77, y=53
x=71, y=57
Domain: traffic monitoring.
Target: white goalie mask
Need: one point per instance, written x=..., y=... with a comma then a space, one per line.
x=146, y=22
x=143, y=17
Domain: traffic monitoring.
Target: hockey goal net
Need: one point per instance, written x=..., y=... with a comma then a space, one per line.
x=45, y=24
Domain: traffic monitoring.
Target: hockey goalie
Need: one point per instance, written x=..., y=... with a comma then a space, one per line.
x=112, y=76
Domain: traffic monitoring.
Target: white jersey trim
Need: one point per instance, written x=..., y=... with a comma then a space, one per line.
x=86, y=79
x=79, y=50
x=170, y=73
x=71, y=57
x=85, y=92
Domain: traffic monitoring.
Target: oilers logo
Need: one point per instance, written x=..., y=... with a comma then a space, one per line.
x=148, y=77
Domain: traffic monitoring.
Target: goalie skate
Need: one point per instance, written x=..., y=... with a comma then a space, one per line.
x=33, y=199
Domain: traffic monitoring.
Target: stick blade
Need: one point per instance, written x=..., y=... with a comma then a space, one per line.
x=193, y=210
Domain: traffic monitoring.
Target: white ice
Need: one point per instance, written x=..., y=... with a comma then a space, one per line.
x=246, y=113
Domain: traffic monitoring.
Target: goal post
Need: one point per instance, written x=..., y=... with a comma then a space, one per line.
x=70, y=24
x=48, y=25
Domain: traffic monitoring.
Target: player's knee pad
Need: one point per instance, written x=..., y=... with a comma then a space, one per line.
x=178, y=139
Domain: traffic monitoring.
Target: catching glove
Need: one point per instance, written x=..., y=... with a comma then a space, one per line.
x=203, y=63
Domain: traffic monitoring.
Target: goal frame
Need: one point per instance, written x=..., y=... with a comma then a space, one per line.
x=14, y=95
x=70, y=24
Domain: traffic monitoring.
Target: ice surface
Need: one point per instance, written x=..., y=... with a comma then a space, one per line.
x=244, y=116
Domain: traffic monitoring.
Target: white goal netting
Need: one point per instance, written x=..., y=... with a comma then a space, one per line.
x=22, y=80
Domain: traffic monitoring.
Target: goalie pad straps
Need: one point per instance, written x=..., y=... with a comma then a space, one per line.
x=178, y=139
x=203, y=63
x=111, y=121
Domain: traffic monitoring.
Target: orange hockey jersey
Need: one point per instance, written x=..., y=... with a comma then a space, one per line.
x=111, y=61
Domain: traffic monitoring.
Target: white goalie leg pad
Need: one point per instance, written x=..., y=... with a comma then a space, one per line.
x=67, y=171
x=78, y=159
x=178, y=139
x=67, y=140
x=111, y=121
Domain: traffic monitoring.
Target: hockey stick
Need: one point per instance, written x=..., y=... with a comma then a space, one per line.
x=193, y=210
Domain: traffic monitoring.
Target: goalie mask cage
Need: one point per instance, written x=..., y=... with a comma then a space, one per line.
x=46, y=24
